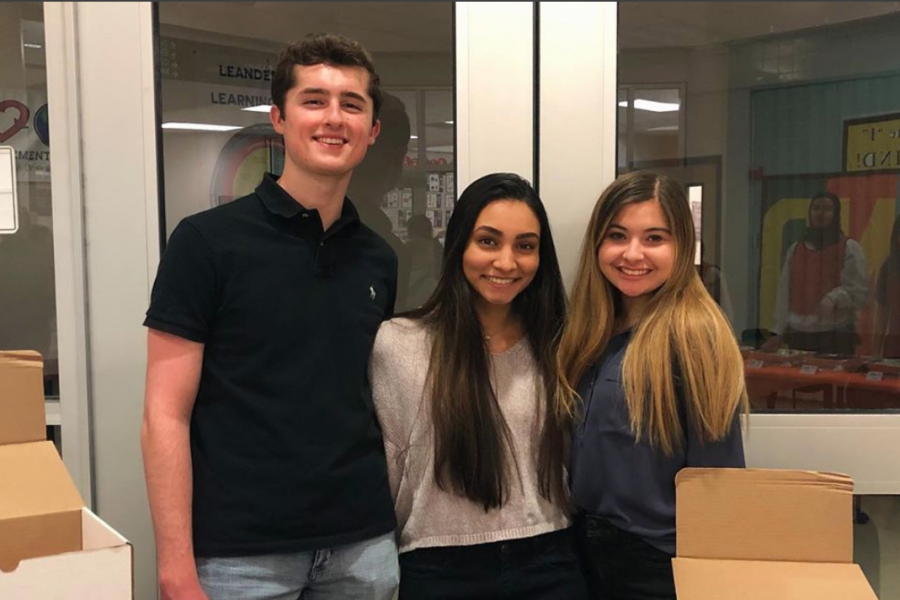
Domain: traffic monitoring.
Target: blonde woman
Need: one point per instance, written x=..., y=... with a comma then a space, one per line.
x=660, y=377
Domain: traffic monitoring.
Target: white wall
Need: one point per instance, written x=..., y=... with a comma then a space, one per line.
x=494, y=89
x=577, y=117
x=120, y=227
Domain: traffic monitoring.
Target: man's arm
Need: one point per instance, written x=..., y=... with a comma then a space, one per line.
x=173, y=376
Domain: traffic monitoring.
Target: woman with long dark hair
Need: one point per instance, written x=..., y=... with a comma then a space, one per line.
x=474, y=417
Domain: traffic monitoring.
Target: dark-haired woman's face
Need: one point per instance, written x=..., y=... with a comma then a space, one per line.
x=502, y=256
x=821, y=213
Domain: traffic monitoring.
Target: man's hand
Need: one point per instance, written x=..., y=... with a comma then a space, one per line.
x=183, y=591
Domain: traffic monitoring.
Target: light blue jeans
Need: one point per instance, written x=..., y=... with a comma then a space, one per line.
x=366, y=570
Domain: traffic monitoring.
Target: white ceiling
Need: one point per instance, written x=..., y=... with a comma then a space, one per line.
x=425, y=26
x=689, y=24
x=379, y=26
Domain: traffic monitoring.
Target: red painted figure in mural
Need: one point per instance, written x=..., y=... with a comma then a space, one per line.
x=823, y=285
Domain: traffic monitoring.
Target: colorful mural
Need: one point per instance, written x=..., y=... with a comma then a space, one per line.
x=868, y=210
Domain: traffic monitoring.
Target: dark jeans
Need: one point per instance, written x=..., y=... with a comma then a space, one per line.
x=620, y=565
x=543, y=567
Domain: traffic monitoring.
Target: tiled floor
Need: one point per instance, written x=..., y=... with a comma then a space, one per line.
x=877, y=545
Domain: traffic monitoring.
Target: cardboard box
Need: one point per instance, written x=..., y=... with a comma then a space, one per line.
x=51, y=546
x=754, y=534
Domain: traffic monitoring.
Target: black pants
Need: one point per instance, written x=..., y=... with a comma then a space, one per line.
x=620, y=565
x=544, y=567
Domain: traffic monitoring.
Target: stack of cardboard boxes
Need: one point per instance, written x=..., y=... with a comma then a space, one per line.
x=51, y=546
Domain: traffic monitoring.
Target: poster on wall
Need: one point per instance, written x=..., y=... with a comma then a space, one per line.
x=872, y=144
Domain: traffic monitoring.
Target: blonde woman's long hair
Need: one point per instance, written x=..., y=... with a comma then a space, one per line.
x=682, y=332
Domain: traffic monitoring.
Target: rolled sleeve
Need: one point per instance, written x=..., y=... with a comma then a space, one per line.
x=183, y=300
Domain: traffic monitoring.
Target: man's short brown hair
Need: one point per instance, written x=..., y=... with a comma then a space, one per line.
x=324, y=49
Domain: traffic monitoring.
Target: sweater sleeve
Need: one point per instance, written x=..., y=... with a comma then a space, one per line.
x=853, y=291
x=782, y=296
x=388, y=396
x=385, y=392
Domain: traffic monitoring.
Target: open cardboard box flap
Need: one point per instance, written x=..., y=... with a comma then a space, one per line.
x=51, y=546
x=766, y=533
x=40, y=508
x=21, y=377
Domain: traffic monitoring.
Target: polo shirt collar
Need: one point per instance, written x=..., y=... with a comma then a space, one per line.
x=279, y=202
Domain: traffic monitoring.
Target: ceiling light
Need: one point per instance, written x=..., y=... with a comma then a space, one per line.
x=29, y=45
x=652, y=105
x=200, y=127
x=263, y=108
x=449, y=122
x=413, y=137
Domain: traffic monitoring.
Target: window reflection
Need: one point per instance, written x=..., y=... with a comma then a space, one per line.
x=214, y=74
x=788, y=119
x=27, y=287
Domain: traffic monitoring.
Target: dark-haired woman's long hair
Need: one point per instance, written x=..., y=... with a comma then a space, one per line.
x=472, y=441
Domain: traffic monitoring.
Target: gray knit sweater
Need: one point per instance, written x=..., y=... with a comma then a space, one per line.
x=426, y=515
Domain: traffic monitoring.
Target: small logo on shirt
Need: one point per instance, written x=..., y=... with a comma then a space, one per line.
x=372, y=292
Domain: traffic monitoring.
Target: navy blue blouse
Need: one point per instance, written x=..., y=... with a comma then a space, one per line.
x=627, y=482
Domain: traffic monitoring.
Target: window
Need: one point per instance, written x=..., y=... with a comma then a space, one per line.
x=215, y=68
x=784, y=126
x=27, y=287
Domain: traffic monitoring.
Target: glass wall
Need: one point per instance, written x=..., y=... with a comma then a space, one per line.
x=783, y=121
x=27, y=289
x=216, y=62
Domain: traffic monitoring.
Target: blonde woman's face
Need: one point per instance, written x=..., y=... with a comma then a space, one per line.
x=637, y=254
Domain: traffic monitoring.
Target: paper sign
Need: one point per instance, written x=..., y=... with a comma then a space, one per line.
x=9, y=211
x=872, y=143
x=874, y=376
x=809, y=369
x=754, y=364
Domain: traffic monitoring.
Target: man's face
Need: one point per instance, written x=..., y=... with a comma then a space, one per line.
x=327, y=120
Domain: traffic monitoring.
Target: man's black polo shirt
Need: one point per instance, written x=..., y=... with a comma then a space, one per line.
x=287, y=453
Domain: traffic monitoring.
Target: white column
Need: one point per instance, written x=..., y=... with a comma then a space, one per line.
x=578, y=117
x=115, y=74
x=68, y=242
x=494, y=89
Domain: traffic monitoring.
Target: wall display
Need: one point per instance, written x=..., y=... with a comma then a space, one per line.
x=868, y=209
x=25, y=125
x=872, y=144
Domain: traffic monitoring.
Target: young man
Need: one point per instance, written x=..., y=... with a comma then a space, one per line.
x=264, y=461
